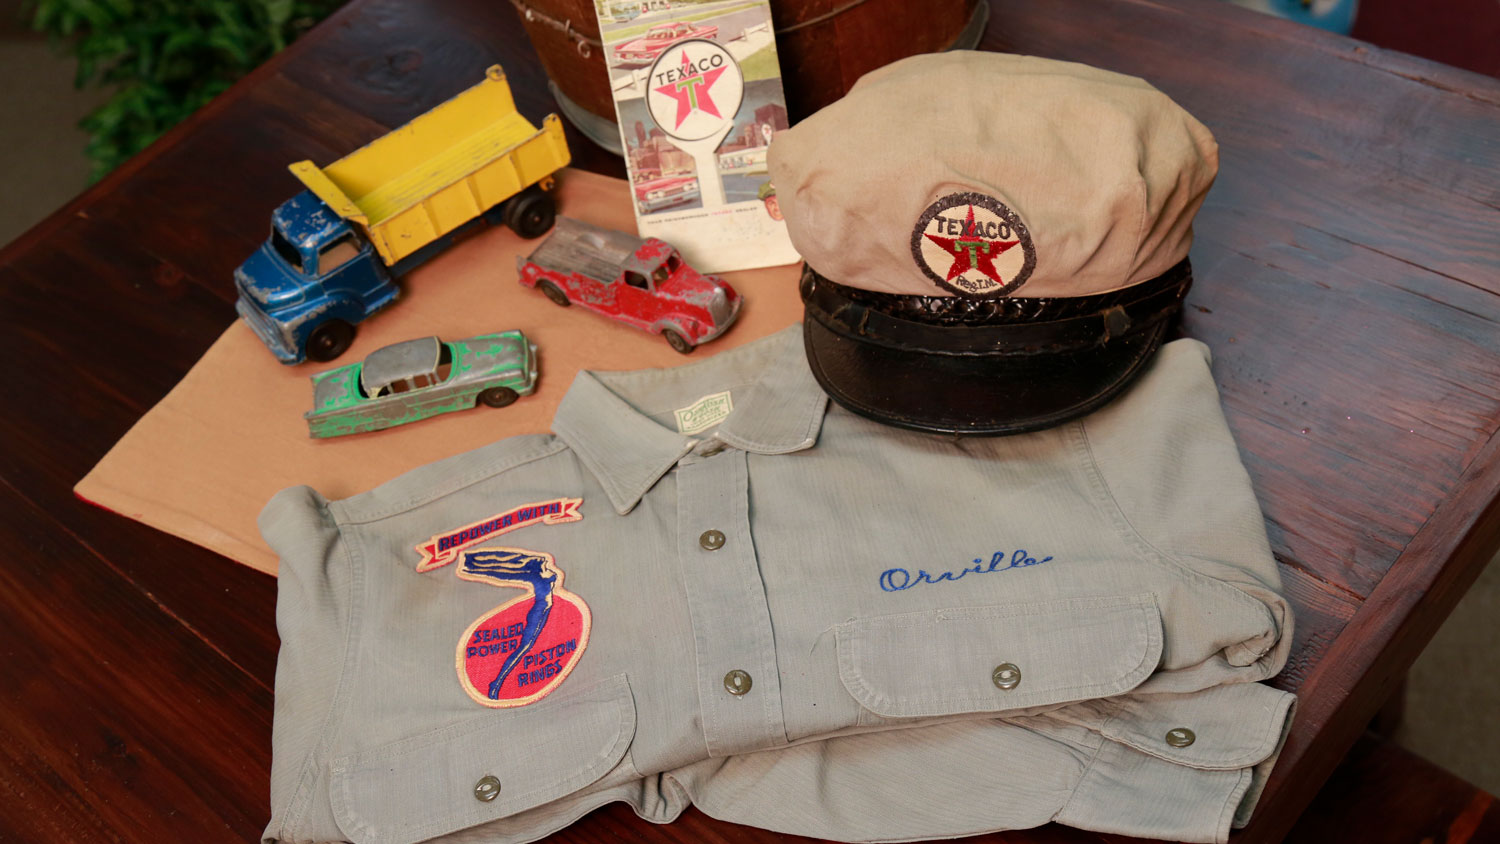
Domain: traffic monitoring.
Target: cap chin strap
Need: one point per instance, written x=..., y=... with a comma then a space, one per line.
x=953, y=325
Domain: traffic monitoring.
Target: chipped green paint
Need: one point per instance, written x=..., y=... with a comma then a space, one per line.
x=341, y=391
x=477, y=364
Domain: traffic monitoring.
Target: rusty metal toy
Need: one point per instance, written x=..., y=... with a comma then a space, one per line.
x=416, y=379
x=336, y=249
x=641, y=282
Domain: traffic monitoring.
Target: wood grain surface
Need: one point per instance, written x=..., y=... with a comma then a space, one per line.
x=1383, y=792
x=1348, y=282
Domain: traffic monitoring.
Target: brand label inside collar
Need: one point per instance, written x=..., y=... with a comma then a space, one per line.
x=704, y=413
x=973, y=245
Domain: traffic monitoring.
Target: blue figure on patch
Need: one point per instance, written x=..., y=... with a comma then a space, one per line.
x=516, y=569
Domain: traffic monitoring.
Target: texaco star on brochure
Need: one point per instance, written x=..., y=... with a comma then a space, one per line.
x=695, y=89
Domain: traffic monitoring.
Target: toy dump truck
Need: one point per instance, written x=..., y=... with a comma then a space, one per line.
x=336, y=249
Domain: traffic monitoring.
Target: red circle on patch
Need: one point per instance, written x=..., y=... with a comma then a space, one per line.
x=490, y=648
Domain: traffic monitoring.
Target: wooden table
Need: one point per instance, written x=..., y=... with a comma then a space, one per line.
x=1348, y=267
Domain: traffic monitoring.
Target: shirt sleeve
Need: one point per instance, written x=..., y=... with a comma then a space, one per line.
x=972, y=777
x=1168, y=470
x=1171, y=473
x=314, y=612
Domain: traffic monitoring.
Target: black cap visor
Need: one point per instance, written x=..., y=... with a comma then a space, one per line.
x=914, y=362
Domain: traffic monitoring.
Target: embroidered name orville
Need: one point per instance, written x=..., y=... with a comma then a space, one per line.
x=895, y=580
x=444, y=548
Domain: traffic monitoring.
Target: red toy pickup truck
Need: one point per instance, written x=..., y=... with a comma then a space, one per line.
x=644, y=283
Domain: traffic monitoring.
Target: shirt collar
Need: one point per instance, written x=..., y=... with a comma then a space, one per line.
x=628, y=452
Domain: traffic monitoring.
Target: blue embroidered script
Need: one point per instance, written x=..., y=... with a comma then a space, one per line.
x=895, y=580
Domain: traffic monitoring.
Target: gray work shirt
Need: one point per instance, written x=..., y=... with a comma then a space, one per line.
x=789, y=616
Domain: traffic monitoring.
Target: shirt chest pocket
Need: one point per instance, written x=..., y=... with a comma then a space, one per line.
x=973, y=660
x=483, y=769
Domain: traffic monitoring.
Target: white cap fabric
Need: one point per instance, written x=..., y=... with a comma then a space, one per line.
x=986, y=174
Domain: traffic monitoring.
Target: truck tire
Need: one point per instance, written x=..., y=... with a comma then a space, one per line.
x=553, y=292
x=531, y=213
x=677, y=341
x=498, y=397
x=329, y=340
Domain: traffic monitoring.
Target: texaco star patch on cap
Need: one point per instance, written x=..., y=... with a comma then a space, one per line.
x=973, y=245
x=518, y=652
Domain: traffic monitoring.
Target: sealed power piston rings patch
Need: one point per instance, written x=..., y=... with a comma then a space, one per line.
x=520, y=651
x=973, y=245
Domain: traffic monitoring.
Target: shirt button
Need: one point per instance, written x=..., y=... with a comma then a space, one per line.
x=487, y=789
x=711, y=540
x=1006, y=676
x=711, y=450
x=737, y=682
x=1180, y=737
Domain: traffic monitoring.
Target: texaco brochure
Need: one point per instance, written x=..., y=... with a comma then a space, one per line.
x=697, y=91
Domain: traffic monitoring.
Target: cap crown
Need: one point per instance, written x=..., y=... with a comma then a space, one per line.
x=1101, y=172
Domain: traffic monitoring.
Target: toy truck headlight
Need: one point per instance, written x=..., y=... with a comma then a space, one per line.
x=718, y=305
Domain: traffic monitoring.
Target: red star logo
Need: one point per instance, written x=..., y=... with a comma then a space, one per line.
x=973, y=252
x=691, y=91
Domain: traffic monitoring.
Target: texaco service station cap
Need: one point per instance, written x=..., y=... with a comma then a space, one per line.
x=993, y=243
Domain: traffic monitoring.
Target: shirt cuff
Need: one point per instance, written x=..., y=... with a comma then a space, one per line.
x=1187, y=767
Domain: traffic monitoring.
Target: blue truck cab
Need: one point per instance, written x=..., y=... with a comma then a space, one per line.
x=313, y=279
x=337, y=248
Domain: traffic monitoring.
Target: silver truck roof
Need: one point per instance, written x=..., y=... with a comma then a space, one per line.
x=398, y=362
x=596, y=252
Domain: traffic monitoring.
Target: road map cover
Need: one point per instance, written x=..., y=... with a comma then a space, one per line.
x=697, y=91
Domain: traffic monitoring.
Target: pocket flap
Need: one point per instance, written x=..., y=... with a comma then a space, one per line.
x=944, y=662
x=420, y=787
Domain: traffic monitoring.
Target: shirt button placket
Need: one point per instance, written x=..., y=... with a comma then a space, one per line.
x=738, y=685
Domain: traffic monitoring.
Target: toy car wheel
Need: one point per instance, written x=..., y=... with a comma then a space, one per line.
x=531, y=214
x=498, y=396
x=676, y=341
x=553, y=292
x=330, y=340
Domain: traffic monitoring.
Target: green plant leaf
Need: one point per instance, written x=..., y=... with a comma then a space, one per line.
x=278, y=12
x=164, y=58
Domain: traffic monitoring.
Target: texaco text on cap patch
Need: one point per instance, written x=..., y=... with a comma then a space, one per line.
x=973, y=245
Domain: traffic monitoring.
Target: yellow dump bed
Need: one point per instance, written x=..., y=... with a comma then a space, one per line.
x=441, y=170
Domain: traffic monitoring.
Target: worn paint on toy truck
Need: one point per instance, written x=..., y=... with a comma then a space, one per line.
x=336, y=249
x=642, y=282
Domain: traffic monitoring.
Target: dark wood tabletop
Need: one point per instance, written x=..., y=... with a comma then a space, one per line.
x=1348, y=282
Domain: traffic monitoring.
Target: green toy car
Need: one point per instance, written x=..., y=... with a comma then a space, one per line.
x=416, y=379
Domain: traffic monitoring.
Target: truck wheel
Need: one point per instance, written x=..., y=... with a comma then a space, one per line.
x=676, y=341
x=551, y=291
x=329, y=340
x=530, y=214
x=498, y=396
